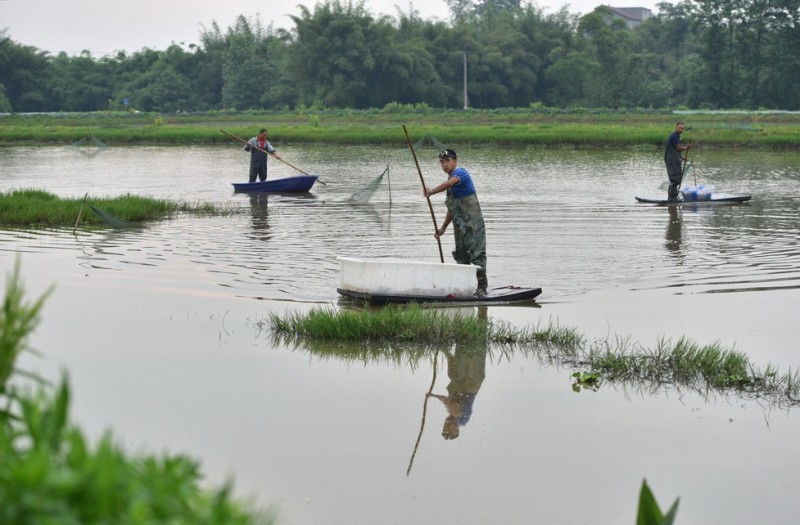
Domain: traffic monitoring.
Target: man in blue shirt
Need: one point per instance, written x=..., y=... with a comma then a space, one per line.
x=464, y=211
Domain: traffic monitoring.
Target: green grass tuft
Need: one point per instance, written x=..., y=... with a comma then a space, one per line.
x=33, y=207
x=407, y=334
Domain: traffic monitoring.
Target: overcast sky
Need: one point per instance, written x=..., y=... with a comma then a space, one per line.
x=104, y=27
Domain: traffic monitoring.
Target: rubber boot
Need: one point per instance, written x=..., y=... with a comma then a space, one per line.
x=672, y=193
x=483, y=283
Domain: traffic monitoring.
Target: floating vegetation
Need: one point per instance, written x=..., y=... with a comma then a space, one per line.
x=406, y=334
x=34, y=207
x=412, y=324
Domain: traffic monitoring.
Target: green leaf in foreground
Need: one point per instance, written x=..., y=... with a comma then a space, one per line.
x=649, y=511
x=51, y=474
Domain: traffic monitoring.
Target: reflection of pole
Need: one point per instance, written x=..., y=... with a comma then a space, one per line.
x=424, y=413
x=466, y=104
x=390, y=185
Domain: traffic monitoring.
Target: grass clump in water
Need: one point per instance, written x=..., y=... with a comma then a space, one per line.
x=34, y=207
x=692, y=365
x=412, y=324
x=393, y=323
x=395, y=332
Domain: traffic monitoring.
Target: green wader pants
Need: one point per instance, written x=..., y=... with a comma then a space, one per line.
x=469, y=231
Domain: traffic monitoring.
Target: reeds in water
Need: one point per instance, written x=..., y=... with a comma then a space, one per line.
x=407, y=333
x=33, y=207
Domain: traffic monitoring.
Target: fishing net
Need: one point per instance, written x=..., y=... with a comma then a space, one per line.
x=90, y=145
x=429, y=141
x=112, y=221
x=364, y=194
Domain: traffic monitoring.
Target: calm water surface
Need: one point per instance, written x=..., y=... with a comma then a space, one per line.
x=158, y=330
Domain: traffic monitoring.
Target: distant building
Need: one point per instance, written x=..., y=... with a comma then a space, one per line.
x=631, y=15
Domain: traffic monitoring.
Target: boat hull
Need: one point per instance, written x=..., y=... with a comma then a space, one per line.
x=285, y=185
x=501, y=295
x=715, y=197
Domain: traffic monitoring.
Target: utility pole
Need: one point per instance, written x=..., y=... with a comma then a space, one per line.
x=466, y=104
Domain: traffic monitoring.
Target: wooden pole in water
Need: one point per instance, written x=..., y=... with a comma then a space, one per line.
x=430, y=206
x=683, y=168
x=80, y=212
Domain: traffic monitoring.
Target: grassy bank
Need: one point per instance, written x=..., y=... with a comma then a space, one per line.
x=522, y=127
x=31, y=207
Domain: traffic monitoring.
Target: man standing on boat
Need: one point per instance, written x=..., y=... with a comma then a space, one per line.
x=259, y=148
x=464, y=211
x=673, y=158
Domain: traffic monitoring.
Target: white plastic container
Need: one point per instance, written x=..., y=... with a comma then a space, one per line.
x=378, y=276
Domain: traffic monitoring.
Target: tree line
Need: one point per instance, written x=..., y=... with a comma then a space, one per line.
x=716, y=54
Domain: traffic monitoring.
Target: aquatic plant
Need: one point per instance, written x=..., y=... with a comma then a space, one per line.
x=18, y=319
x=50, y=473
x=35, y=207
x=408, y=333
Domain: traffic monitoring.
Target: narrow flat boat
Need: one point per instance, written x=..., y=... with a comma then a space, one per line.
x=715, y=197
x=498, y=295
x=300, y=183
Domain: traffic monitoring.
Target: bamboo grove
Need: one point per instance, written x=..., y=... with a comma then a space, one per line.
x=697, y=54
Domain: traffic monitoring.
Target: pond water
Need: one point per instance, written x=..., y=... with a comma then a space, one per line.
x=159, y=331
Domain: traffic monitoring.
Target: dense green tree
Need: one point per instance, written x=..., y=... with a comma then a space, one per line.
x=609, y=41
x=339, y=55
x=162, y=87
x=570, y=78
x=461, y=11
x=24, y=72
x=718, y=29
x=695, y=53
x=249, y=68
x=81, y=83
x=781, y=71
x=411, y=74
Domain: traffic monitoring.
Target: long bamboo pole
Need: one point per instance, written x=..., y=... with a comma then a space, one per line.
x=270, y=154
x=430, y=206
x=683, y=168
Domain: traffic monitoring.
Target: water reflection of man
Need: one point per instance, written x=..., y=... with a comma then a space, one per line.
x=260, y=213
x=258, y=206
x=466, y=368
x=674, y=235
